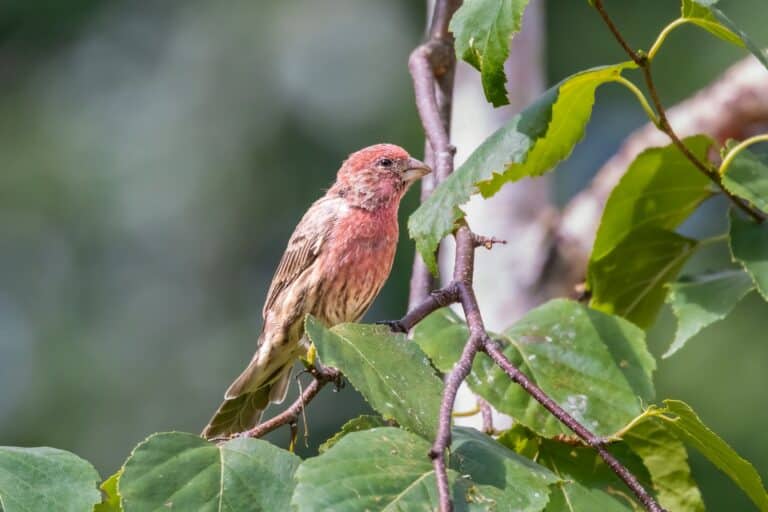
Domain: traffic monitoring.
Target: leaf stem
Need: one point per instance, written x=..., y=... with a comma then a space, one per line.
x=663, y=36
x=640, y=97
x=723, y=237
x=738, y=149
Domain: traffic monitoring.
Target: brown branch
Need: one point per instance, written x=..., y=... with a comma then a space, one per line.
x=735, y=106
x=432, y=66
x=663, y=123
x=321, y=377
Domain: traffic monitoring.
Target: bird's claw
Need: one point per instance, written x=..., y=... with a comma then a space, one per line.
x=394, y=325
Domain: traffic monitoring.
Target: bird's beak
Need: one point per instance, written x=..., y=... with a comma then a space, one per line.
x=416, y=169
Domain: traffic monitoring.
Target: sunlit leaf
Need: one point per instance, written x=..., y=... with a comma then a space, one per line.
x=706, y=15
x=679, y=419
x=532, y=143
x=392, y=373
x=594, y=365
x=111, y=498
x=34, y=479
x=704, y=301
x=178, y=471
x=747, y=177
x=749, y=248
x=483, y=29
x=666, y=459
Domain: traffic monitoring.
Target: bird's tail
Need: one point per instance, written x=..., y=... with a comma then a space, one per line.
x=264, y=381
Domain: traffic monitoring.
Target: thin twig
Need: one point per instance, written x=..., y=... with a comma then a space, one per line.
x=487, y=415
x=322, y=376
x=644, y=63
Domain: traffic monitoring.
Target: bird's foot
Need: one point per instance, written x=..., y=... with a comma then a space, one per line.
x=394, y=325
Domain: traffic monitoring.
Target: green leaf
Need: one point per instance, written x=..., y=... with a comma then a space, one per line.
x=749, y=248
x=682, y=421
x=661, y=188
x=700, y=13
x=524, y=485
x=483, y=29
x=34, y=479
x=666, y=459
x=363, y=422
x=629, y=281
x=747, y=177
x=635, y=254
x=594, y=365
x=532, y=143
x=704, y=301
x=391, y=373
x=586, y=483
x=111, y=498
x=706, y=15
x=182, y=471
x=379, y=469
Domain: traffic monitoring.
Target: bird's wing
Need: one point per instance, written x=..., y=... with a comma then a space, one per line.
x=304, y=246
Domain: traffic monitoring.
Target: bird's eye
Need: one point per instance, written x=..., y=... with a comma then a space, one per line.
x=384, y=162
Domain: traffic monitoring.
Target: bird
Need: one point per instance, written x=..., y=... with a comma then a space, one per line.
x=336, y=262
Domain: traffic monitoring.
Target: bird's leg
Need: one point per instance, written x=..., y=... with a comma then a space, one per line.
x=294, y=434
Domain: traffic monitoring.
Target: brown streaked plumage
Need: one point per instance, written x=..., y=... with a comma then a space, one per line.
x=335, y=264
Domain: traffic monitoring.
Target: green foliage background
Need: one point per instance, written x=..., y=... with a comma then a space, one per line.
x=154, y=159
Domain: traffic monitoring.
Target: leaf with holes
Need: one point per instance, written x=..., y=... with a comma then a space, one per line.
x=596, y=366
x=482, y=30
x=391, y=373
x=704, y=301
x=182, y=471
x=532, y=143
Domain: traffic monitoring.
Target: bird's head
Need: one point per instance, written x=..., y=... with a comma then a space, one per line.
x=378, y=175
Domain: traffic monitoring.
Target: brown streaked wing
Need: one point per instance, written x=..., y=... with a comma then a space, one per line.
x=303, y=247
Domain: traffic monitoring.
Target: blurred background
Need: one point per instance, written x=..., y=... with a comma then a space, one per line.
x=155, y=157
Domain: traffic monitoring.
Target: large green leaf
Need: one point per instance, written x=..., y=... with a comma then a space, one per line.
x=390, y=372
x=388, y=469
x=661, y=188
x=483, y=29
x=532, y=143
x=524, y=485
x=635, y=254
x=34, y=479
x=666, y=459
x=704, y=301
x=747, y=177
x=594, y=365
x=586, y=483
x=706, y=15
x=181, y=471
x=749, y=248
x=629, y=281
x=679, y=419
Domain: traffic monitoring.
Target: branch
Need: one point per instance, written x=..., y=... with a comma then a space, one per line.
x=730, y=108
x=644, y=63
x=432, y=66
x=322, y=376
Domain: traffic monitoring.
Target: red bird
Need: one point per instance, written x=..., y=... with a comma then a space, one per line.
x=334, y=266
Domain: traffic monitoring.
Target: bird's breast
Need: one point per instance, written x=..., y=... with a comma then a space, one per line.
x=363, y=249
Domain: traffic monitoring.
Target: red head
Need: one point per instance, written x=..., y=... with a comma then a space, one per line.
x=378, y=176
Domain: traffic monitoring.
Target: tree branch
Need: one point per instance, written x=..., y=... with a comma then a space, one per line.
x=644, y=63
x=432, y=66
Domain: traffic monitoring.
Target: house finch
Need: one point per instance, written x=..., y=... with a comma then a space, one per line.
x=334, y=266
